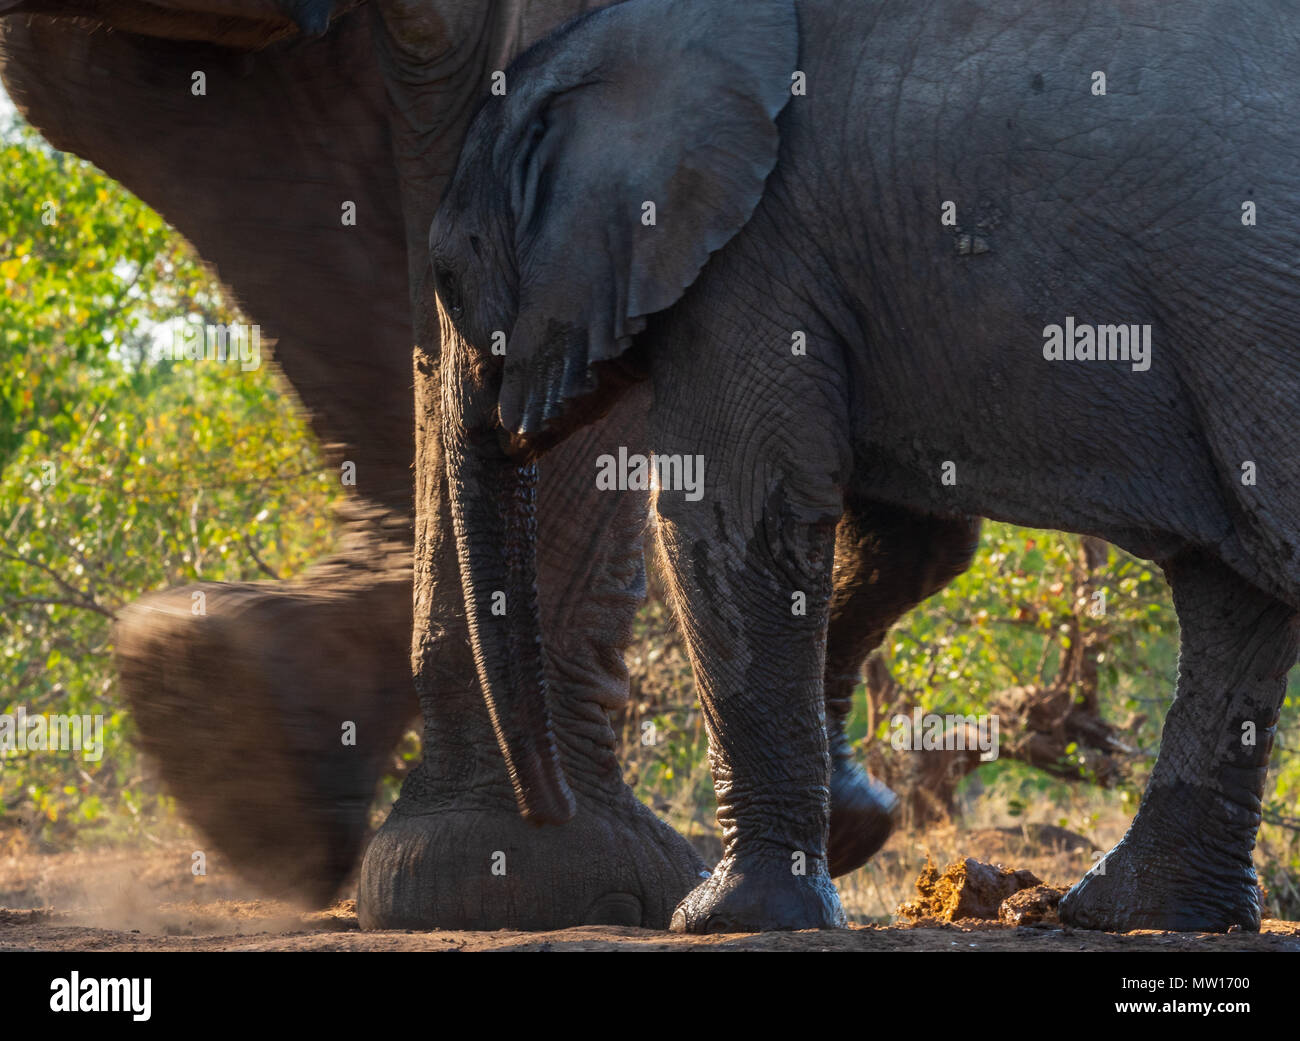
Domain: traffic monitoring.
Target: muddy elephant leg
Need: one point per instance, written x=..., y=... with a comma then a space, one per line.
x=887, y=560
x=759, y=674
x=748, y=567
x=1185, y=863
x=455, y=853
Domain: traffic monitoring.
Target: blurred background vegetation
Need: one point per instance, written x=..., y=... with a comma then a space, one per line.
x=122, y=472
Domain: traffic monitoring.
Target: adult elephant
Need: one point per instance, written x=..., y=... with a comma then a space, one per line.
x=305, y=110
x=1118, y=360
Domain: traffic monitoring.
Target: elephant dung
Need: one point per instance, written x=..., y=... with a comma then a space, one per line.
x=1036, y=906
x=966, y=889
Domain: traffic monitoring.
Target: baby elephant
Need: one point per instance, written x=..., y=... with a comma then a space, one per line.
x=1023, y=259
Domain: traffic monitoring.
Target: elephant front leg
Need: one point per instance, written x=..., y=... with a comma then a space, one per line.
x=1185, y=863
x=455, y=853
x=887, y=560
x=754, y=601
x=271, y=709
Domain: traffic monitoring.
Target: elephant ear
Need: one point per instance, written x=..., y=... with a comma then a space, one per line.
x=650, y=131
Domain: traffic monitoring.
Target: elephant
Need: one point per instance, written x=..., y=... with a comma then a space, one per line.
x=307, y=107
x=747, y=208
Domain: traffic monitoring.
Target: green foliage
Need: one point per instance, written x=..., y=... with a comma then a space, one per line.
x=663, y=736
x=87, y=268
x=1006, y=621
x=1009, y=621
x=119, y=473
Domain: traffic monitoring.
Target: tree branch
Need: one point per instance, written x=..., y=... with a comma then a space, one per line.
x=83, y=605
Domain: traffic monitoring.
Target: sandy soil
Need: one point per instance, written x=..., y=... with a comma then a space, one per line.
x=31, y=930
x=148, y=901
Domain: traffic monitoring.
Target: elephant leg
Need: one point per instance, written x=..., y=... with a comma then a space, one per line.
x=887, y=560
x=1185, y=863
x=271, y=710
x=748, y=568
x=240, y=692
x=455, y=853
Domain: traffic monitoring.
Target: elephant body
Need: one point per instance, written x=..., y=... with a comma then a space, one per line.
x=803, y=176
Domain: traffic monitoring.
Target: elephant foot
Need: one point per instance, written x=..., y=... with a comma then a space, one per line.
x=752, y=896
x=1140, y=890
x=863, y=815
x=470, y=861
x=271, y=711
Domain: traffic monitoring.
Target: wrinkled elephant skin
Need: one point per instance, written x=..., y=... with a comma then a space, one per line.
x=746, y=204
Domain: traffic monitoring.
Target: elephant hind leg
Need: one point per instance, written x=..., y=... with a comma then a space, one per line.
x=887, y=560
x=1185, y=863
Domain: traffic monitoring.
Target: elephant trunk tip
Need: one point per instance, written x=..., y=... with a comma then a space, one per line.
x=549, y=806
x=545, y=798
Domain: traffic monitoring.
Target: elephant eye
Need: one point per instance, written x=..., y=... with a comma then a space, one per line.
x=449, y=291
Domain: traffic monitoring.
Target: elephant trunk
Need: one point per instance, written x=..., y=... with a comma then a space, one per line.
x=493, y=509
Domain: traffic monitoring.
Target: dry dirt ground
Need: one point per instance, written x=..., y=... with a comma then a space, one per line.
x=149, y=901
